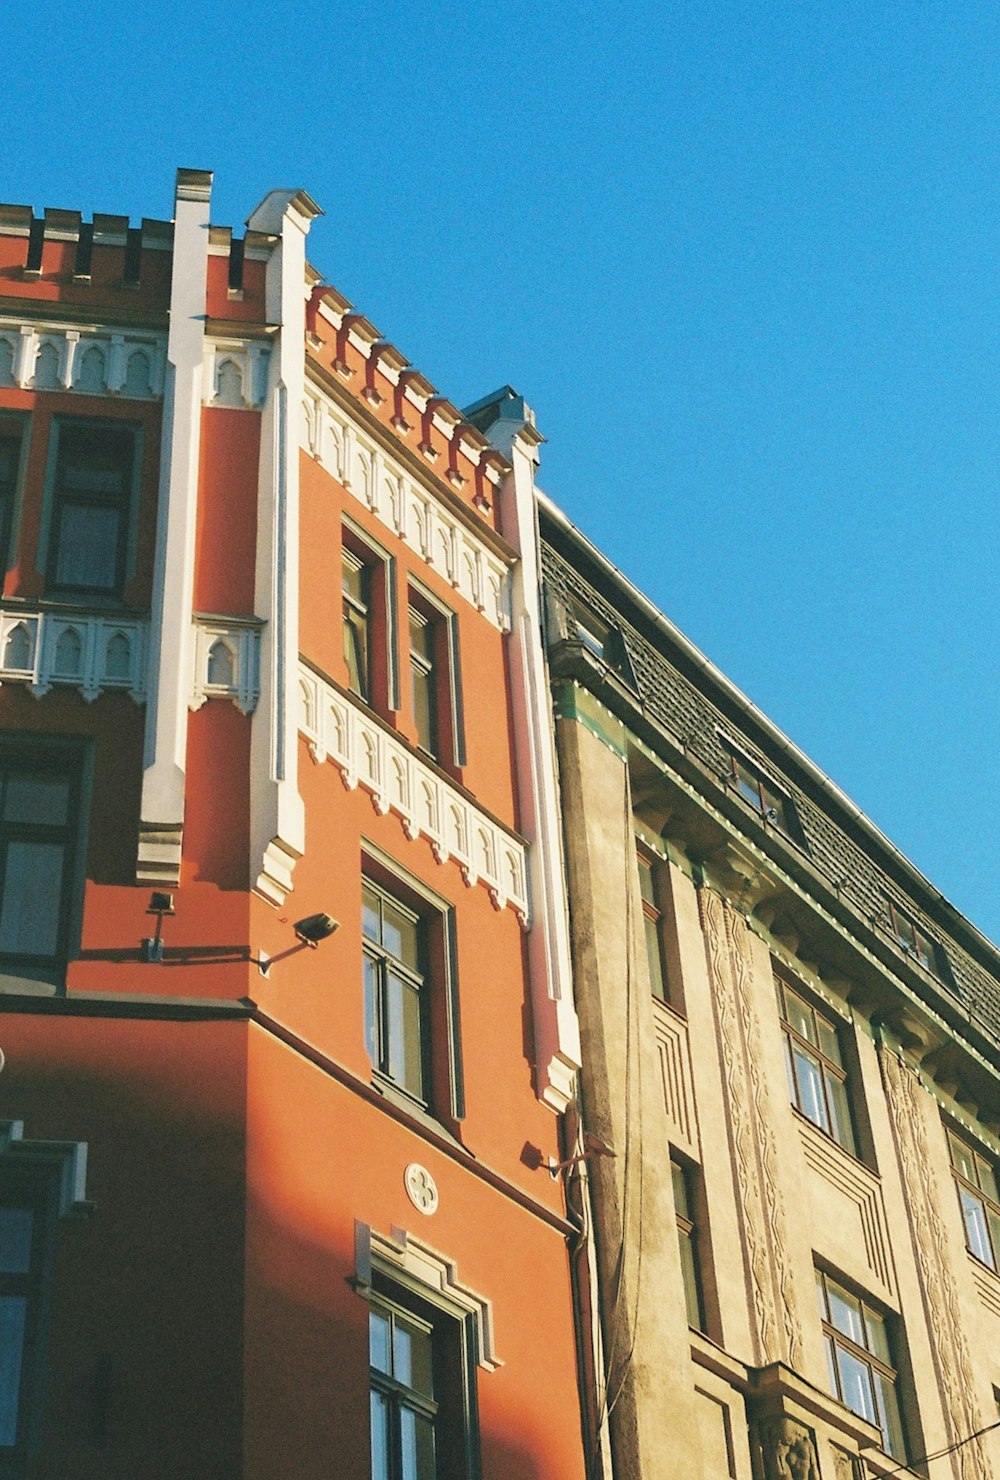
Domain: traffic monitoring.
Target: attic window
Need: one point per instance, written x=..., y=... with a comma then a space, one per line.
x=913, y=940
x=757, y=789
x=602, y=640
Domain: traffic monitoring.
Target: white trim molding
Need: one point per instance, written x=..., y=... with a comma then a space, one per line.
x=405, y=507
x=85, y=651
x=162, y=817
x=226, y=662
x=43, y=356
x=367, y=755
x=277, y=816
x=402, y=1254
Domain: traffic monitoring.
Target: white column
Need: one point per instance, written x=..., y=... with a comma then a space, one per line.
x=162, y=819
x=277, y=821
x=557, y=1030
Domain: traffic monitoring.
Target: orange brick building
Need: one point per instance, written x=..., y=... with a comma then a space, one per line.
x=284, y=992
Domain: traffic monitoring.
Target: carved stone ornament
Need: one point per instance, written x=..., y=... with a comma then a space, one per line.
x=788, y=1449
x=777, y=1330
x=953, y=1359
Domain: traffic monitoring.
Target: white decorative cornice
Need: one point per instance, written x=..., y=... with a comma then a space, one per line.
x=406, y=507
x=226, y=662
x=367, y=755
x=85, y=651
x=44, y=356
x=235, y=373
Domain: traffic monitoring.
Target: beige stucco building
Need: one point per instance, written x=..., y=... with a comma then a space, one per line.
x=791, y=1046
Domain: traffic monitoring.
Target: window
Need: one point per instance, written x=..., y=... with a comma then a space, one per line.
x=369, y=620
x=435, y=686
x=762, y=793
x=687, y=1235
x=357, y=624
x=860, y=1363
x=598, y=638
x=424, y=1342
x=91, y=505
x=411, y=1011
x=395, y=990
x=652, y=922
x=10, y=465
x=975, y=1179
x=39, y=811
x=817, y=1078
x=40, y=1182
x=912, y=938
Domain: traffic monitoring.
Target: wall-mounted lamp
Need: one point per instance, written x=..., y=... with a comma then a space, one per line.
x=309, y=931
x=592, y=1147
x=160, y=904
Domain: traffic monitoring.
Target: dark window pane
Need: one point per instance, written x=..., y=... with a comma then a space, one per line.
x=87, y=545
x=370, y=915
x=654, y=956
x=16, y=1225
x=36, y=799
x=13, y=1313
x=32, y=894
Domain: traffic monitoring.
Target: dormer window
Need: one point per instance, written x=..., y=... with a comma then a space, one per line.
x=761, y=792
x=910, y=936
x=600, y=639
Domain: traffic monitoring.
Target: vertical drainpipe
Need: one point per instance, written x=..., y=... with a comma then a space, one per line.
x=557, y=1032
x=162, y=812
x=277, y=821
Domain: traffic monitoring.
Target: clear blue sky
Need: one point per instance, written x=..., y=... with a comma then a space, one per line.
x=742, y=259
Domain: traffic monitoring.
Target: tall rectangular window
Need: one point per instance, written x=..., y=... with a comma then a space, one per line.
x=976, y=1183
x=860, y=1363
x=10, y=465
x=687, y=1236
x=404, y=1409
x=395, y=981
x=424, y=679
x=39, y=813
x=435, y=680
x=91, y=506
x=817, y=1077
x=356, y=582
x=652, y=924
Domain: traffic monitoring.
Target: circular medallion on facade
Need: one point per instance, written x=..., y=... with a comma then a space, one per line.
x=421, y=1188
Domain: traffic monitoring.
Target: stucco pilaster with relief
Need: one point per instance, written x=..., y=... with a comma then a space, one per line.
x=751, y=1109
x=914, y=1116
x=650, y=1401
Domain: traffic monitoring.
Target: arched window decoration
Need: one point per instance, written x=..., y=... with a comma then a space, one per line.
x=137, y=381
x=229, y=384
x=221, y=664
x=118, y=660
x=6, y=362
x=69, y=653
x=307, y=707
x=91, y=376
x=47, y=368
x=17, y=653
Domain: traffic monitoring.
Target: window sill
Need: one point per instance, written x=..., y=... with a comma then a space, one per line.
x=809, y=1128
x=415, y=1112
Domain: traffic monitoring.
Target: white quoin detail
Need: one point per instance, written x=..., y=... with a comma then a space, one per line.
x=94, y=654
x=338, y=729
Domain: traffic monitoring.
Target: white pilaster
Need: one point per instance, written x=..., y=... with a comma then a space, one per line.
x=162, y=819
x=277, y=822
x=556, y=1027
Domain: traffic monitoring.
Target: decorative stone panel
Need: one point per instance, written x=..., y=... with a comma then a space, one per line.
x=226, y=663
x=93, y=362
x=235, y=373
x=88, y=652
x=369, y=756
x=863, y=1189
x=406, y=508
x=675, y=1070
